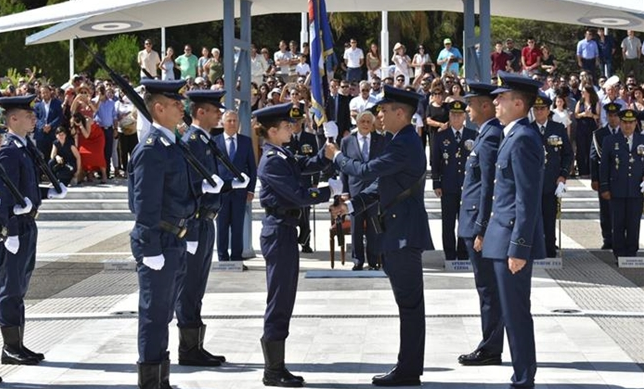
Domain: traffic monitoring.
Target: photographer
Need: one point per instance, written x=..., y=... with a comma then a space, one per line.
x=65, y=158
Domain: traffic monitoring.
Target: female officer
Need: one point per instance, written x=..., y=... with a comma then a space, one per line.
x=283, y=198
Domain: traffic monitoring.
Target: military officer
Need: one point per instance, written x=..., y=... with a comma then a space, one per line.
x=514, y=236
x=476, y=205
x=558, y=159
x=205, y=111
x=611, y=128
x=282, y=196
x=400, y=171
x=621, y=174
x=450, y=149
x=18, y=156
x=162, y=196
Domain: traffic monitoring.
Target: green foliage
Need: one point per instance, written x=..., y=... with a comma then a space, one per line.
x=120, y=54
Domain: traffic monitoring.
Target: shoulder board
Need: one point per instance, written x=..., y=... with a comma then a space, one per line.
x=270, y=153
x=18, y=143
x=165, y=142
x=281, y=154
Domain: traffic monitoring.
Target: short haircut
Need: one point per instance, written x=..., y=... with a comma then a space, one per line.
x=526, y=97
x=229, y=112
x=407, y=109
x=366, y=112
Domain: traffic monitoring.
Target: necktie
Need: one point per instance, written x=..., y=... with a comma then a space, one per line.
x=365, y=148
x=542, y=129
x=232, y=149
x=458, y=137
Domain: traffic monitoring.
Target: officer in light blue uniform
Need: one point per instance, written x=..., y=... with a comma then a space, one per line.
x=163, y=196
x=558, y=159
x=621, y=174
x=476, y=206
x=514, y=236
x=18, y=156
x=282, y=196
x=450, y=149
x=400, y=174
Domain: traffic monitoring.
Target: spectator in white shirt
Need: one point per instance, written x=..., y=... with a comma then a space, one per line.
x=354, y=59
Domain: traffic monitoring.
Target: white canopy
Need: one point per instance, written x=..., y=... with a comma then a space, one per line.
x=86, y=18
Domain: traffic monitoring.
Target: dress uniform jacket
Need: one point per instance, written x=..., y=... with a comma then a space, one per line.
x=559, y=155
x=605, y=217
x=448, y=159
x=306, y=146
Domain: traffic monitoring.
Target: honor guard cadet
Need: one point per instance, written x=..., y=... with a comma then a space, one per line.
x=205, y=110
x=399, y=192
x=611, y=128
x=18, y=157
x=282, y=196
x=304, y=144
x=514, y=236
x=621, y=174
x=558, y=159
x=476, y=206
x=163, y=197
x=450, y=150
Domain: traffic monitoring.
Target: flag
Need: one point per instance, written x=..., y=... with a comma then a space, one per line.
x=321, y=48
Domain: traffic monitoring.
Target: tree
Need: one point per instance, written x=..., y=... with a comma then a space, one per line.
x=120, y=55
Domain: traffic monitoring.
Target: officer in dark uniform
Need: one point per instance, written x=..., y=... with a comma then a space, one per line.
x=283, y=197
x=611, y=128
x=205, y=111
x=621, y=175
x=162, y=196
x=476, y=205
x=399, y=192
x=450, y=149
x=18, y=156
x=514, y=236
x=558, y=159
x=304, y=144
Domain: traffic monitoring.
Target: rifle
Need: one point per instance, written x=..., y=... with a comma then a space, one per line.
x=40, y=160
x=222, y=157
x=12, y=187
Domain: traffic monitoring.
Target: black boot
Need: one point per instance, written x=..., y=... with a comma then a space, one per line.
x=190, y=352
x=12, y=352
x=38, y=356
x=275, y=372
x=202, y=335
x=149, y=376
x=165, y=375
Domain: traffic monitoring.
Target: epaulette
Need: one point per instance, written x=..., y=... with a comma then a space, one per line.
x=281, y=154
x=270, y=153
x=18, y=143
x=165, y=142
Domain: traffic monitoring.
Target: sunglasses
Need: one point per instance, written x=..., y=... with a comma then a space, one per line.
x=344, y=86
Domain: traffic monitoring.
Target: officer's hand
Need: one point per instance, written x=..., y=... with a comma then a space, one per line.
x=12, y=244
x=561, y=189
x=330, y=130
x=515, y=264
x=594, y=185
x=606, y=195
x=154, y=263
x=336, y=186
x=236, y=184
x=345, y=196
x=330, y=150
x=438, y=192
x=478, y=243
x=191, y=247
x=18, y=210
x=207, y=188
x=53, y=194
x=339, y=210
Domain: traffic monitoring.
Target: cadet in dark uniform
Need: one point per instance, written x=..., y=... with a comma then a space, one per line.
x=476, y=205
x=514, y=236
x=18, y=259
x=611, y=128
x=450, y=149
x=558, y=160
x=399, y=192
x=283, y=196
x=205, y=111
x=621, y=175
x=162, y=196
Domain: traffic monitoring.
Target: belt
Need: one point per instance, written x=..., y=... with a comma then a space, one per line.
x=32, y=214
x=205, y=213
x=284, y=212
x=179, y=231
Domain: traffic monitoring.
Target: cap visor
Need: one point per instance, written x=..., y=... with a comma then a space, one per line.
x=500, y=90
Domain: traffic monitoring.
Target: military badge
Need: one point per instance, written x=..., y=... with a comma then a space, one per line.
x=616, y=163
x=446, y=142
x=445, y=155
x=295, y=113
x=149, y=141
x=554, y=140
x=306, y=149
x=640, y=149
x=616, y=146
x=469, y=144
x=193, y=136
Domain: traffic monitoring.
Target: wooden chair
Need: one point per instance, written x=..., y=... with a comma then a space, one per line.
x=346, y=230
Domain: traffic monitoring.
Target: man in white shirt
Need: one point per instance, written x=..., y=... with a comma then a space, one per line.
x=354, y=59
x=631, y=53
x=148, y=60
x=363, y=101
x=282, y=59
x=258, y=66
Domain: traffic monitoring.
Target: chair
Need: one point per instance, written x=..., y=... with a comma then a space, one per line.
x=346, y=230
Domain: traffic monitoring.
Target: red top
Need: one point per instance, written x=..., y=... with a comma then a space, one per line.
x=530, y=55
x=499, y=61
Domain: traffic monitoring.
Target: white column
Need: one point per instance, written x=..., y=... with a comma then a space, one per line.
x=162, y=53
x=304, y=31
x=384, y=45
x=71, y=58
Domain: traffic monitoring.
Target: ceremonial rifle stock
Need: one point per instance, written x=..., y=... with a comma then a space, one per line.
x=40, y=160
x=12, y=187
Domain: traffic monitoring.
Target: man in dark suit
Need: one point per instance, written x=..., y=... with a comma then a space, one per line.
x=337, y=108
x=558, y=160
x=450, y=150
x=49, y=113
x=230, y=221
x=514, y=236
x=476, y=206
x=611, y=128
x=399, y=192
x=364, y=145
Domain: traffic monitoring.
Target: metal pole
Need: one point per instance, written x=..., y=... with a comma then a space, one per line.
x=384, y=45
x=71, y=59
x=162, y=42
x=304, y=30
x=468, y=39
x=485, y=40
x=606, y=65
x=229, y=52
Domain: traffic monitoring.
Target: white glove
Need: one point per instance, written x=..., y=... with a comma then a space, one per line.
x=18, y=210
x=336, y=186
x=12, y=244
x=52, y=194
x=561, y=188
x=236, y=184
x=191, y=247
x=330, y=130
x=642, y=187
x=207, y=188
x=154, y=263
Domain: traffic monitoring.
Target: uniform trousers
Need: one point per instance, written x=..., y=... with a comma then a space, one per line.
x=626, y=216
x=605, y=220
x=230, y=224
x=304, y=237
x=193, y=287
x=549, y=212
x=450, y=206
x=15, y=273
x=158, y=290
x=491, y=318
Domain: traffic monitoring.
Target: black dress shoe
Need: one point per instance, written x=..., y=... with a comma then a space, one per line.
x=395, y=378
x=307, y=249
x=357, y=267
x=374, y=267
x=244, y=268
x=607, y=246
x=479, y=358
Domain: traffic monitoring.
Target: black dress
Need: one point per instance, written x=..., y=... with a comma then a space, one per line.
x=65, y=171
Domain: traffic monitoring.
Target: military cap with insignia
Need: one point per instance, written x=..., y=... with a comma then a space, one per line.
x=457, y=107
x=18, y=102
x=207, y=96
x=612, y=108
x=628, y=115
x=396, y=95
x=542, y=100
x=476, y=89
x=167, y=88
x=297, y=112
x=512, y=82
x=277, y=112
x=375, y=109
